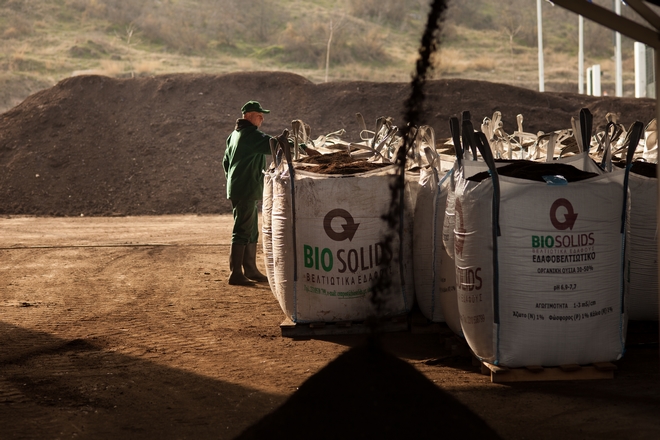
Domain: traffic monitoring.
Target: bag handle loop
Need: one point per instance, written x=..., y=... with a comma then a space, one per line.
x=455, y=129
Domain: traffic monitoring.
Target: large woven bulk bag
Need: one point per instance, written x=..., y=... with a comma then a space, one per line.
x=283, y=273
x=464, y=144
x=642, y=273
x=328, y=249
x=449, y=217
x=266, y=226
x=435, y=284
x=539, y=266
x=650, y=152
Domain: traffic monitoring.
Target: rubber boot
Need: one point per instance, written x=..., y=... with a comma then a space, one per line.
x=236, y=277
x=250, y=264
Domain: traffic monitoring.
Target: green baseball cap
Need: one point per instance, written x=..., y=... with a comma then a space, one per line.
x=253, y=106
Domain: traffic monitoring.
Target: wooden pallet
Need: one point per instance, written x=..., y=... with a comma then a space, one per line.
x=296, y=330
x=533, y=373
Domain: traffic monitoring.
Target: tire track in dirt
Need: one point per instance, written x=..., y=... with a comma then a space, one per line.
x=154, y=316
x=177, y=313
x=10, y=393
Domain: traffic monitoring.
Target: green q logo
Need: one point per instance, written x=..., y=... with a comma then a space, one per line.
x=569, y=218
x=349, y=228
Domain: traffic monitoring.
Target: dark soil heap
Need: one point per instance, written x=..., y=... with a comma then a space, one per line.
x=101, y=146
x=537, y=171
x=339, y=163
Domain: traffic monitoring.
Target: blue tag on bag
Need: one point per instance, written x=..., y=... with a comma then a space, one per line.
x=555, y=180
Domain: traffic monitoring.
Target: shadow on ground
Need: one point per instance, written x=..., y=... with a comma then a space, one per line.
x=55, y=388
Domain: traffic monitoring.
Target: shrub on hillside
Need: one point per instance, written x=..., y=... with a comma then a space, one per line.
x=15, y=27
x=473, y=14
x=303, y=44
x=307, y=44
x=395, y=12
x=190, y=26
x=169, y=23
x=369, y=46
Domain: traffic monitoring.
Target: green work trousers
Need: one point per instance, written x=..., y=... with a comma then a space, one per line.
x=246, y=221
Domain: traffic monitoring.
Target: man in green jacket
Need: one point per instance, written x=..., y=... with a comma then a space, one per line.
x=244, y=162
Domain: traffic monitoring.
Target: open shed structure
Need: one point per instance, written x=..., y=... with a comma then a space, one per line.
x=649, y=35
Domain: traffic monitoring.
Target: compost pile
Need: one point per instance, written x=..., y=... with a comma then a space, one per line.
x=535, y=171
x=100, y=146
x=340, y=162
x=646, y=169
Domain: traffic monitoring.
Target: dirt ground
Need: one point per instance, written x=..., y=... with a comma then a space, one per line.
x=124, y=327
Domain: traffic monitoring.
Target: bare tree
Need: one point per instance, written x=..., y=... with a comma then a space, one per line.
x=511, y=22
x=130, y=30
x=334, y=25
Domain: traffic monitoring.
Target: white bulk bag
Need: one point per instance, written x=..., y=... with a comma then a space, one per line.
x=539, y=268
x=266, y=226
x=457, y=170
x=581, y=161
x=435, y=284
x=650, y=152
x=328, y=250
x=642, y=273
x=449, y=219
x=464, y=145
x=411, y=188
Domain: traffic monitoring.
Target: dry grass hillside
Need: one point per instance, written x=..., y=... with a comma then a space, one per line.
x=45, y=41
